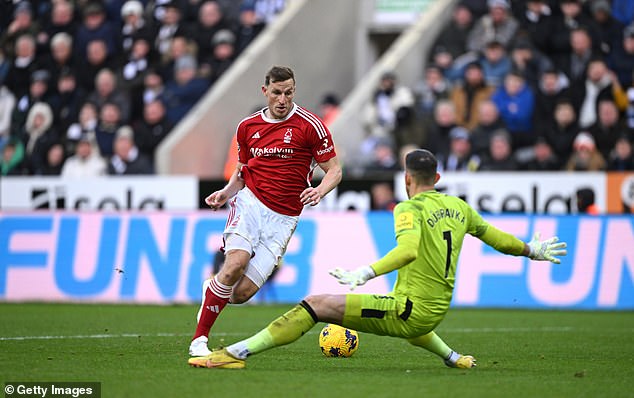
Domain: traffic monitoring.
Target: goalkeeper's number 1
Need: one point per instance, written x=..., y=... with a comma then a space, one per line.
x=446, y=235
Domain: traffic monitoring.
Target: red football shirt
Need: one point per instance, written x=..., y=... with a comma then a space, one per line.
x=278, y=154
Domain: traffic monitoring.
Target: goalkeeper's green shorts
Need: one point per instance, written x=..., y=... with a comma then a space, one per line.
x=388, y=315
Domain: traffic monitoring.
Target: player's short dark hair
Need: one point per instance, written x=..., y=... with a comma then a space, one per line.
x=422, y=165
x=278, y=74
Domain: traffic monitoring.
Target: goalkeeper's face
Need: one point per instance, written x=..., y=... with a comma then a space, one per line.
x=279, y=96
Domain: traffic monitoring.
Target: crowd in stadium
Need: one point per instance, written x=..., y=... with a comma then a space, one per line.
x=516, y=85
x=91, y=87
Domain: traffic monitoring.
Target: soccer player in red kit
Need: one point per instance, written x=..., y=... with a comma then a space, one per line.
x=266, y=193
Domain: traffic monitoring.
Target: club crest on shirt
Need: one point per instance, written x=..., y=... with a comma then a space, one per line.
x=288, y=135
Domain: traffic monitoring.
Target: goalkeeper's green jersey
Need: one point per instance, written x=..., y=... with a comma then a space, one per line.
x=440, y=222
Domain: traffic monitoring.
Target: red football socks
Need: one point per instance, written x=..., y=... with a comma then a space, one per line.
x=216, y=298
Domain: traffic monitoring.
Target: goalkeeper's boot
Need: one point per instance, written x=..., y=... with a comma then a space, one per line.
x=198, y=347
x=463, y=362
x=220, y=359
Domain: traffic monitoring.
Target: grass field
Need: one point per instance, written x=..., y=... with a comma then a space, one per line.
x=140, y=351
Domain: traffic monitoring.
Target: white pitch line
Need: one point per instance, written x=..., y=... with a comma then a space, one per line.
x=137, y=335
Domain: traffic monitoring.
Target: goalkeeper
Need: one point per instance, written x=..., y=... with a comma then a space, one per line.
x=430, y=228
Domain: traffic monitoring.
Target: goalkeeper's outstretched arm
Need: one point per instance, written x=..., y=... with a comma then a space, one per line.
x=546, y=250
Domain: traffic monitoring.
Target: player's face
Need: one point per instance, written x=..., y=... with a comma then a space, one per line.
x=279, y=96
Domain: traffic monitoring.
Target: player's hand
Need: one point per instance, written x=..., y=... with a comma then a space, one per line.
x=354, y=278
x=310, y=196
x=217, y=199
x=546, y=250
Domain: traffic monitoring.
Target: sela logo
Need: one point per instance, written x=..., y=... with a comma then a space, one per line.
x=288, y=135
x=56, y=197
x=256, y=135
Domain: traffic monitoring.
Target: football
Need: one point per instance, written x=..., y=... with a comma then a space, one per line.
x=337, y=341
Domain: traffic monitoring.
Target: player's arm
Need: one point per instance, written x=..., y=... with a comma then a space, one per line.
x=535, y=249
x=235, y=183
x=332, y=178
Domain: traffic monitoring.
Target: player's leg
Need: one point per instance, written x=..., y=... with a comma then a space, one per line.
x=284, y=330
x=216, y=295
x=433, y=343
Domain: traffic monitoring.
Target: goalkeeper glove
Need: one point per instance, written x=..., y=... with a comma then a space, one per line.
x=546, y=250
x=354, y=278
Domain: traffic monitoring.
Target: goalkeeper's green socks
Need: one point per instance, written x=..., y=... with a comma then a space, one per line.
x=433, y=343
x=284, y=330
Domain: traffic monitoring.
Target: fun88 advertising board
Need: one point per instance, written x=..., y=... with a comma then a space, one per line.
x=163, y=257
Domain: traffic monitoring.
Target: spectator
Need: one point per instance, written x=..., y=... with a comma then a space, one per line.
x=597, y=86
x=12, y=158
x=171, y=26
x=184, y=91
x=134, y=26
x=329, y=108
x=249, y=27
x=552, y=88
x=537, y=19
x=430, y=90
x=22, y=24
x=574, y=62
x=7, y=103
x=454, y=35
x=498, y=25
x=210, y=20
x=38, y=137
x=106, y=91
x=133, y=73
x=608, y=127
x=85, y=162
x=570, y=19
x=586, y=202
x=459, y=157
x=488, y=122
x=109, y=123
x=389, y=113
x=265, y=10
x=529, y=61
x=179, y=46
x=383, y=162
x=95, y=27
x=585, y=156
x=23, y=65
x=500, y=156
x=153, y=86
x=38, y=92
x=62, y=20
x=86, y=125
x=609, y=29
x=127, y=160
x=444, y=121
x=222, y=54
x=542, y=158
x=621, y=59
x=468, y=96
x=97, y=59
x=54, y=160
x=67, y=101
x=383, y=196
x=561, y=134
x=152, y=129
x=496, y=63
x=61, y=56
x=621, y=158
x=515, y=102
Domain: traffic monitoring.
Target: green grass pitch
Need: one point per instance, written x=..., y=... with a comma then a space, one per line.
x=141, y=351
